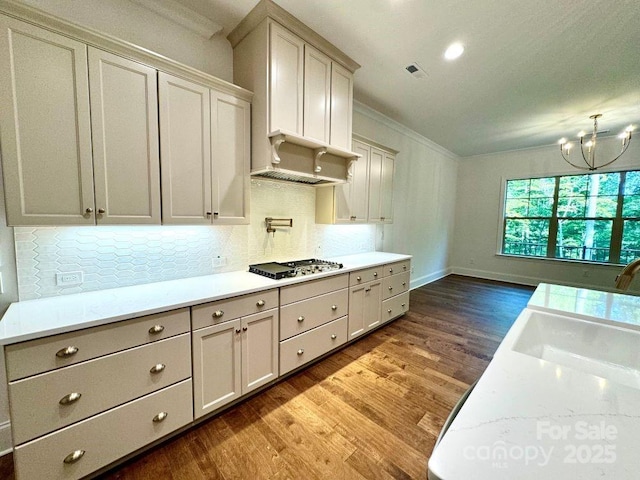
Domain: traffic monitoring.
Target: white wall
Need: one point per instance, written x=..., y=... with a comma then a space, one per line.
x=480, y=180
x=424, y=195
x=135, y=24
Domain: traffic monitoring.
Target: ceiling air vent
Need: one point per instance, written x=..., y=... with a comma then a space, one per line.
x=416, y=70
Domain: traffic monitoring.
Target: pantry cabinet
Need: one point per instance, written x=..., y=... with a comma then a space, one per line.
x=204, y=142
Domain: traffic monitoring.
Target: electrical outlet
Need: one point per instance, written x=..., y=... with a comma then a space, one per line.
x=67, y=279
x=219, y=261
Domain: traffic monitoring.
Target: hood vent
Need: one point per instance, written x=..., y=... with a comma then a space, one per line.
x=290, y=177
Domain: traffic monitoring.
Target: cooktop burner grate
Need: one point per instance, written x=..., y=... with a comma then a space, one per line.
x=309, y=266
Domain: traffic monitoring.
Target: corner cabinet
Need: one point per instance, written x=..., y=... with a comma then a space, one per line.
x=303, y=87
x=368, y=196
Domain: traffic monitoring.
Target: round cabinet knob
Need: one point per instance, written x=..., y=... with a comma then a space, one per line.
x=375, y=274
x=390, y=288
x=403, y=305
x=208, y=214
x=217, y=314
x=359, y=278
x=160, y=417
x=237, y=330
x=88, y=210
x=215, y=214
x=156, y=329
x=391, y=270
x=260, y=303
x=157, y=368
x=404, y=267
x=334, y=307
x=404, y=284
x=244, y=329
x=67, y=352
x=353, y=217
x=73, y=457
x=334, y=336
x=301, y=318
x=69, y=399
x=101, y=211
x=389, y=311
x=300, y=352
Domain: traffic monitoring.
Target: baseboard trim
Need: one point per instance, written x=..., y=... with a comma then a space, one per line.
x=432, y=277
x=6, y=445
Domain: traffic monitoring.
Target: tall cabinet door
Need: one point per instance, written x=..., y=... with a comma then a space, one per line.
x=359, y=198
x=45, y=128
x=375, y=186
x=386, y=188
x=317, y=94
x=126, y=157
x=185, y=151
x=341, y=106
x=259, y=349
x=231, y=157
x=286, y=74
x=216, y=366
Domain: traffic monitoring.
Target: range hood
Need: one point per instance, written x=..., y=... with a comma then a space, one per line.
x=300, y=159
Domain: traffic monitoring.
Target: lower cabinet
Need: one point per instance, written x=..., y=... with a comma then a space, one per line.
x=233, y=358
x=364, y=307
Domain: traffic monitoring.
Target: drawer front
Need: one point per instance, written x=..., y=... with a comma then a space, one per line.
x=302, y=316
x=364, y=276
x=398, y=267
x=37, y=356
x=102, y=383
x=303, y=348
x=395, y=306
x=312, y=288
x=228, y=309
x=105, y=437
x=395, y=285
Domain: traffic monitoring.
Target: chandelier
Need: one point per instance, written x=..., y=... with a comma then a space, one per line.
x=588, y=147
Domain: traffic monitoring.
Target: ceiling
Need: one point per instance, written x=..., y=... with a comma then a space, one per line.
x=532, y=71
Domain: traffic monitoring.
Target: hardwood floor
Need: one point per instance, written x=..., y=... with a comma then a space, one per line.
x=372, y=410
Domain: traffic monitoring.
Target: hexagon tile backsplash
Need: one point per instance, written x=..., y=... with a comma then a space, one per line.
x=111, y=257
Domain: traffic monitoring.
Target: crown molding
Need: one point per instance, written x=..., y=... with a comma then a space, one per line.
x=183, y=16
x=400, y=128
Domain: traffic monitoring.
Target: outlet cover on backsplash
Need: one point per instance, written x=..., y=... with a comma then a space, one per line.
x=110, y=257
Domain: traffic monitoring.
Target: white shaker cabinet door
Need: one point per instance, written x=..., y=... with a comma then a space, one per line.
x=317, y=94
x=386, y=188
x=45, y=128
x=359, y=194
x=260, y=351
x=124, y=116
x=230, y=157
x=341, y=106
x=376, y=159
x=185, y=151
x=286, y=72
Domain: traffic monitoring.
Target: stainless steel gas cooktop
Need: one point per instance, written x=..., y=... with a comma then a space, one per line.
x=277, y=270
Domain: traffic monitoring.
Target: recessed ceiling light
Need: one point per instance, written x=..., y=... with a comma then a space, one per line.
x=454, y=51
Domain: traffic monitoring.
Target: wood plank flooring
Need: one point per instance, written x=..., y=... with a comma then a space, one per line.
x=373, y=410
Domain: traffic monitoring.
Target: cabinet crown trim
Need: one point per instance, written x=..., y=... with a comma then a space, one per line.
x=268, y=9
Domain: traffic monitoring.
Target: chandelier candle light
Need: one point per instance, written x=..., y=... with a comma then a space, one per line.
x=589, y=156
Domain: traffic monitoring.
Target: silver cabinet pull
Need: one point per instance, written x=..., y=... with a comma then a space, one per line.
x=375, y=274
x=403, y=305
x=334, y=336
x=160, y=417
x=390, y=288
x=389, y=311
x=215, y=214
x=73, y=457
x=404, y=284
x=157, y=368
x=300, y=352
x=69, y=399
x=334, y=307
x=88, y=210
x=208, y=214
x=367, y=289
x=217, y=314
x=260, y=303
x=358, y=278
x=156, y=329
x=391, y=270
x=301, y=318
x=67, y=352
x=101, y=211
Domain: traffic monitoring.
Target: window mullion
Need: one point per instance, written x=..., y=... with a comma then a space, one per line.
x=553, y=222
x=618, y=224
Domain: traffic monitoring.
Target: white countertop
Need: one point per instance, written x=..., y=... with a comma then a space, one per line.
x=33, y=319
x=511, y=426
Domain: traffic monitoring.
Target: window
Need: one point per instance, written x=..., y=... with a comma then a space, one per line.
x=590, y=217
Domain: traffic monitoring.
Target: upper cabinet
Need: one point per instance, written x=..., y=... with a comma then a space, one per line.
x=303, y=97
x=81, y=139
x=381, y=186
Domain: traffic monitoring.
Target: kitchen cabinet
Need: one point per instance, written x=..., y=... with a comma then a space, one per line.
x=365, y=301
x=204, y=144
x=62, y=96
x=235, y=356
x=69, y=393
x=303, y=97
x=395, y=290
x=381, y=168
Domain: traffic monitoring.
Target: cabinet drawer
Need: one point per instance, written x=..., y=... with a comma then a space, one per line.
x=301, y=291
x=303, y=348
x=398, y=267
x=364, y=276
x=395, y=306
x=105, y=437
x=37, y=356
x=102, y=383
x=301, y=316
x=395, y=285
x=228, y=309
